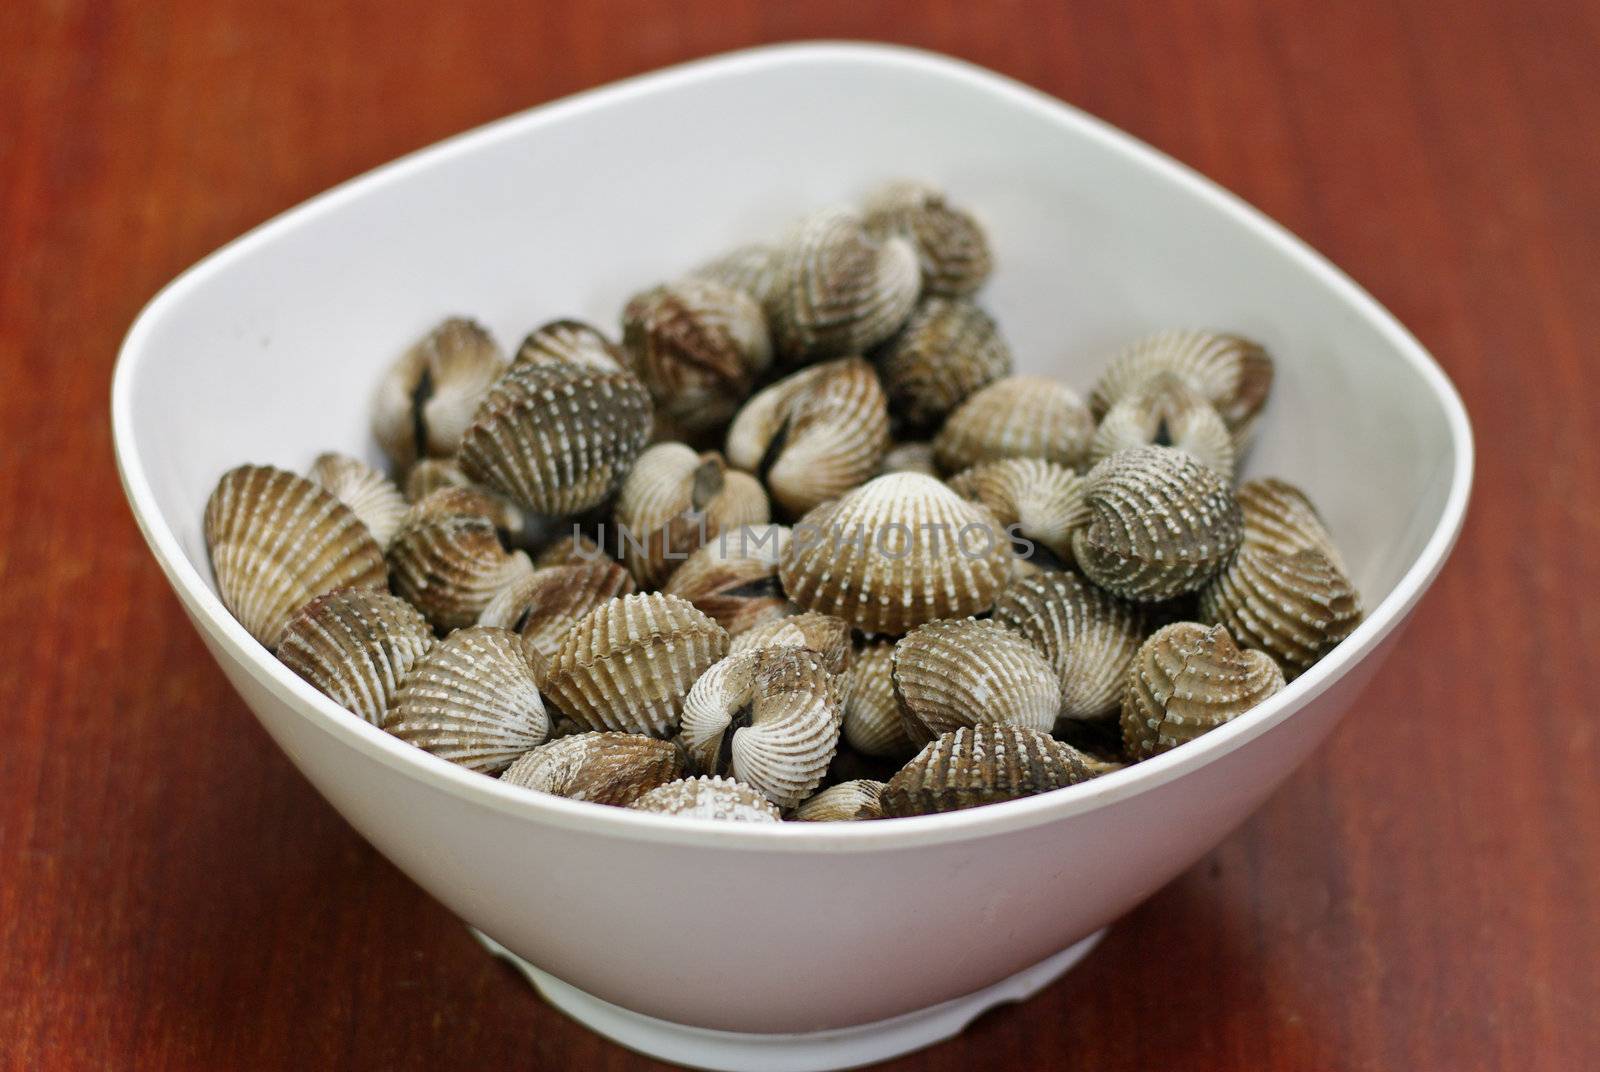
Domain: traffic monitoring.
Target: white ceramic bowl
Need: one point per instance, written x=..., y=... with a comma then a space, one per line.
x=268, y=350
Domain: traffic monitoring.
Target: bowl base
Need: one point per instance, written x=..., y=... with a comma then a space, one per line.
x=816, y=1051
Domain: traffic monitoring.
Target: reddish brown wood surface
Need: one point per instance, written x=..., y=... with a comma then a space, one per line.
x=1423, y=895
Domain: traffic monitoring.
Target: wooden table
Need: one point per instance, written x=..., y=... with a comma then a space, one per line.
x=1423, y=895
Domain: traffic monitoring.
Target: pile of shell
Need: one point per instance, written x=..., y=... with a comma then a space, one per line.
x=909, y=581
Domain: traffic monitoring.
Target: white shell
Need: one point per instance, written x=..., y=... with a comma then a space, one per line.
x=717, y=798
x=374, y=497
x=951, y=674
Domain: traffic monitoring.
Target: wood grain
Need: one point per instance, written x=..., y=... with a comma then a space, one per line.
x=1421, y=896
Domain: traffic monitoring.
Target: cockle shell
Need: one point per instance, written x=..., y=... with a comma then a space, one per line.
x=1167, y=411
x=698, y=346
x=1016, y=417
x=948, y=350
x=1279, y=517
x=472, y=699
x=839, y=290
x=674, y=501
x=872, y=722
x=1186, y=679
x=431, y=474
x=900, y=550
x=710, y=798
x=827, y=636
x=1295, y=607
x=1089, y=636
x=427, y=399
x=734, y=578
x=573, y=549
x=1163, y=524
x=373, y=496
x=952, y=249
x=628, y=664
x=603, y=768
x=543, y=604
x=910, y=457
x=558, y=439
x=1232, y=373
x=813, y=435
x=982, y=764
x=753, y=269
x=356, y=645
x=570, y=342
x=845, y=802
x=1039, y=501
x=277, y=541
x=448, y=562
x=950, y=674
x=770, y=717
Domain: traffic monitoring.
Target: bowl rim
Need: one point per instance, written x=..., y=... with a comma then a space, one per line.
x=600, y=820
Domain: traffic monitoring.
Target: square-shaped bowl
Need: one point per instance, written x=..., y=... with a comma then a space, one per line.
x=268, y=351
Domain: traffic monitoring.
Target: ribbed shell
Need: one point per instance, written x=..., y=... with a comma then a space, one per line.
x=543, y=604
x=1232, y=373
x=710, y=798
x=910, y=457
x=839, y=290
x=472, y=699
x=1295, y=608
x=1089, y=636
x=1186, y=679
x=1166, y=410
x=356, y=645
x=698, y=345
x=950, y=674
x=872, y=722
x=923, y=553
x=1163, y=524
x=1016, y=417
x=1279, y=517
x=373, y=496
x=573, y=549
x=277, y=541
x=1043, y=500
x=846, y=802
x=734, y=578
x=813, y=435
x=978, y=765
x=948, y=350
x=769, y=717
x=427, y=399
x=450, y=565
x=431, y=474
x=754, y=269
x=628, y=664
x=827, y=636
x=570, y=342
x=674, y=500
x=602, y=768
x=952, y=249
x=558, y=439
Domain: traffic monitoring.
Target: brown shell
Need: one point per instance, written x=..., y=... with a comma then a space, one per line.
x=814, y=435
x=1016, y=417
x=356, y=645
x=472, y=699
x=948, y=350
x=574, y=549
x=603, y=768
x=570, y=342
x=543, y=604
x=1166, y=410
x=1041, y=502
x=698, y=345
x=674, y=501
x=1163, y=524
x=277, y=541
x=1186, y=679
x=827, y=636
x=963, y=672
x=1295, y=608
x=872, y=722
x=1232, y=373
x=982, y=764
x=734, y=578
x=628, y=664
x=952, y=250
x=710, y=798
x=449, y=563
x=1089, y=636
x=373, y=496
x=846, y=802
x=558, y=439
x=769, y=717
x=427, y=399
x=900, y=550
x=1279, y=517
x=431, y=474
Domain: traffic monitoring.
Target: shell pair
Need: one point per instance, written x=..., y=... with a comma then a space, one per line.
x=1231, y=373
x=673, y=501
x=1186, y=679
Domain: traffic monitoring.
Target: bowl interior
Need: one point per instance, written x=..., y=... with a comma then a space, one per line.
x=269, y=351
